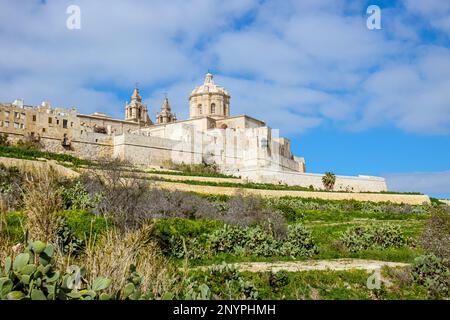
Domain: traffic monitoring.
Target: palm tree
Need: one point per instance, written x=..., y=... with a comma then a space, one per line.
x=329, y=180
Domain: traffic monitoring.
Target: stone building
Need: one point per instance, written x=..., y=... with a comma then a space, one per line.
x=237, y=144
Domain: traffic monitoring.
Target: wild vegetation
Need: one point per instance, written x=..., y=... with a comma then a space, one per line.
x=111, y=235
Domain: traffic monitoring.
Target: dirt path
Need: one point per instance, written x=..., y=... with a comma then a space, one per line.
x=334, y=265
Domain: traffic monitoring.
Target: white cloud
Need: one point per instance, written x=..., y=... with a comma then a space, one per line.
x=431, y=183
x=298, y=64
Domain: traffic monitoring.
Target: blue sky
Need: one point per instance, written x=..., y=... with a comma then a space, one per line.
x=352, y=100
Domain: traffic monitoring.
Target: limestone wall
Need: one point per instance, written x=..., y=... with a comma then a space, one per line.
x=143, y=150
x=345, y=183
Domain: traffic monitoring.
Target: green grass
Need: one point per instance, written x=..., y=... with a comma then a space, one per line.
x=325, y=285
x=32, y=154
x=14, y=226
x=82, y=223
x=85, y=224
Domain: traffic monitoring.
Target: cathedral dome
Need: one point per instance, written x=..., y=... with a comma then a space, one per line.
x=209, y=87
x=209, y=100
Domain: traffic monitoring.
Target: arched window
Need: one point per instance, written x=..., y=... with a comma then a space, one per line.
x=199, y=109
x=213, y=108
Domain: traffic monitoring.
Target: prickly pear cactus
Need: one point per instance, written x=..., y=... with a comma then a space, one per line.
x=31, y=275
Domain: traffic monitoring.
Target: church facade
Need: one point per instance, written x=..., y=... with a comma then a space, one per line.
x=240, y=145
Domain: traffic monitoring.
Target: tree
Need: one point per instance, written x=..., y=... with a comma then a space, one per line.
x=329, y=180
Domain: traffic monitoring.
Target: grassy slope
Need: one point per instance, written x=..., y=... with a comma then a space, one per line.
x=326, y=226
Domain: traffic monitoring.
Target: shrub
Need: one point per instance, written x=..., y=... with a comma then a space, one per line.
x=218, y=282
x=247, y=211
x=279, y=279
x=75, y=196
x=179, y=237
x=379, y=236
x=66, y=240
x=29, y=144
x=85, y=225
x=256, y=241
x=4, y=139
x=436, y=235
x=432, y=272
x=299, y=242
x=204, y=169
x=122, y=198
x=130, y=201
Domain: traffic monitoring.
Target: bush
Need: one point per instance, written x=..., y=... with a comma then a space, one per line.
x=436, y=235
x=76, y=197
x=218, y=282
x=247, y=211
x=66, y=240
x=373, y=236
x=180, y=238
x=255, y=241
x=29, y=144
x=85, y=225
x=299, y=242
x=130, y=201
x=4, y=139
x=432, y=272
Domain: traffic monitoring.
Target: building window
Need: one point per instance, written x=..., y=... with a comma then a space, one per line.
x=57, y=121
x=7, y=114
x=34, y=117
x=6, y=123
x=199, y=109
x=65, y=123
x=213, y=108
x=22, y=126
x=16, y=125
x=23, y=116
x=16, y=115
x=71, y=124
x=43, y=129
x=49, y=120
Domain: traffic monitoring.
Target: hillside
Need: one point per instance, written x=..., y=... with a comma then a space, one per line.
x=141, y=235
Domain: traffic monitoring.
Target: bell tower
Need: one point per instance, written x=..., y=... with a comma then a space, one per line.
x=136, y=111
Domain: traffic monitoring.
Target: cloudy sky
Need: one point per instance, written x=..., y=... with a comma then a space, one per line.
x=352, y=100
